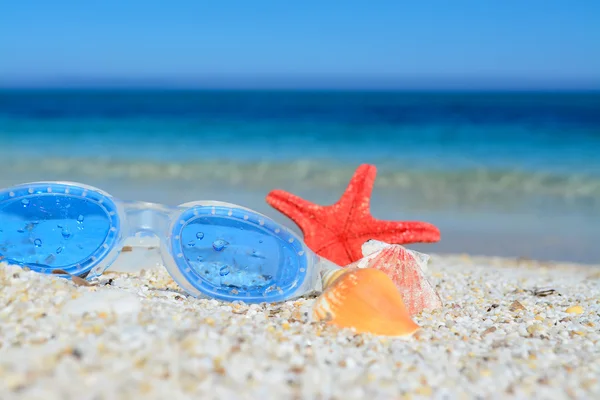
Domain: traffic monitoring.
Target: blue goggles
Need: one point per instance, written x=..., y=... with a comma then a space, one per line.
x=211, y=249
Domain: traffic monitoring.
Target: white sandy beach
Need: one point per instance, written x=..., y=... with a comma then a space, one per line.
x=138, y=336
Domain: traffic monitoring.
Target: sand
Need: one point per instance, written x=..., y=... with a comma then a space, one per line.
x=508, y=329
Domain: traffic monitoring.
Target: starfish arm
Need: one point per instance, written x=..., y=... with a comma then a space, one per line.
x=358, y=192
x=401, y=232
x=294, y=207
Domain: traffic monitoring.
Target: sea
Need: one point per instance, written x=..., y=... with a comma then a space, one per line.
x=512, y=174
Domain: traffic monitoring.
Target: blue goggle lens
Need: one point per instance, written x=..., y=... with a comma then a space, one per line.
x=235, y=254
x=45, y=230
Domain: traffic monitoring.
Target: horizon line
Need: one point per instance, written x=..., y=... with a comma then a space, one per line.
x=150, y=88
x=304, y=83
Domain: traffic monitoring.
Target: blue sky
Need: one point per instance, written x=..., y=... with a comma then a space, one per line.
x=434, y=44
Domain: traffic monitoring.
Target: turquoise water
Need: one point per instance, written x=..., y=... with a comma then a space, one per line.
x=515, y=174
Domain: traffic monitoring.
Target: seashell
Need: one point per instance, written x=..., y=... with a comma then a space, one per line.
x=365, y=299
x=405, y=268
x=328, y=277
x=372, y=246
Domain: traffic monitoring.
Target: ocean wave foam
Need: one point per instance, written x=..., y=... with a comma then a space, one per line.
x=476, y=181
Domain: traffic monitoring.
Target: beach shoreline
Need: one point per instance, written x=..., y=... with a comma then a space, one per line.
x=509, y=328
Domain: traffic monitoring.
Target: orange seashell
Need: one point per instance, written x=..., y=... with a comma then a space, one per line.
x=329, y=276
x=405, y=268
x=364, y=299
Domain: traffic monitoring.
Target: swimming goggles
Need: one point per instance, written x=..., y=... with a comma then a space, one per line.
x=211, y=249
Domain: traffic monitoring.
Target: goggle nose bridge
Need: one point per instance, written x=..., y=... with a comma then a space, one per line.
x=148, y=218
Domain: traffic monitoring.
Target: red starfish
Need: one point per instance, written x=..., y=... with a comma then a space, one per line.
x=337, y=232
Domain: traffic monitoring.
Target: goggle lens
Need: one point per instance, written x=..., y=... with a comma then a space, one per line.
x=52, y=228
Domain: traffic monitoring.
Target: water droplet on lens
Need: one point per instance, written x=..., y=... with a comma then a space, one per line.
x=25, y=202
x=59, y=250
x=257, y=254
x=80, y=222
x=200, y=235
x=65, y=233
x=219, y=244
x=224, y=271
x=37, y=242
x=191, y=243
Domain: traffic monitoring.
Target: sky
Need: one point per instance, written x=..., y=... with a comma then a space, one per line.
x=260, y=43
